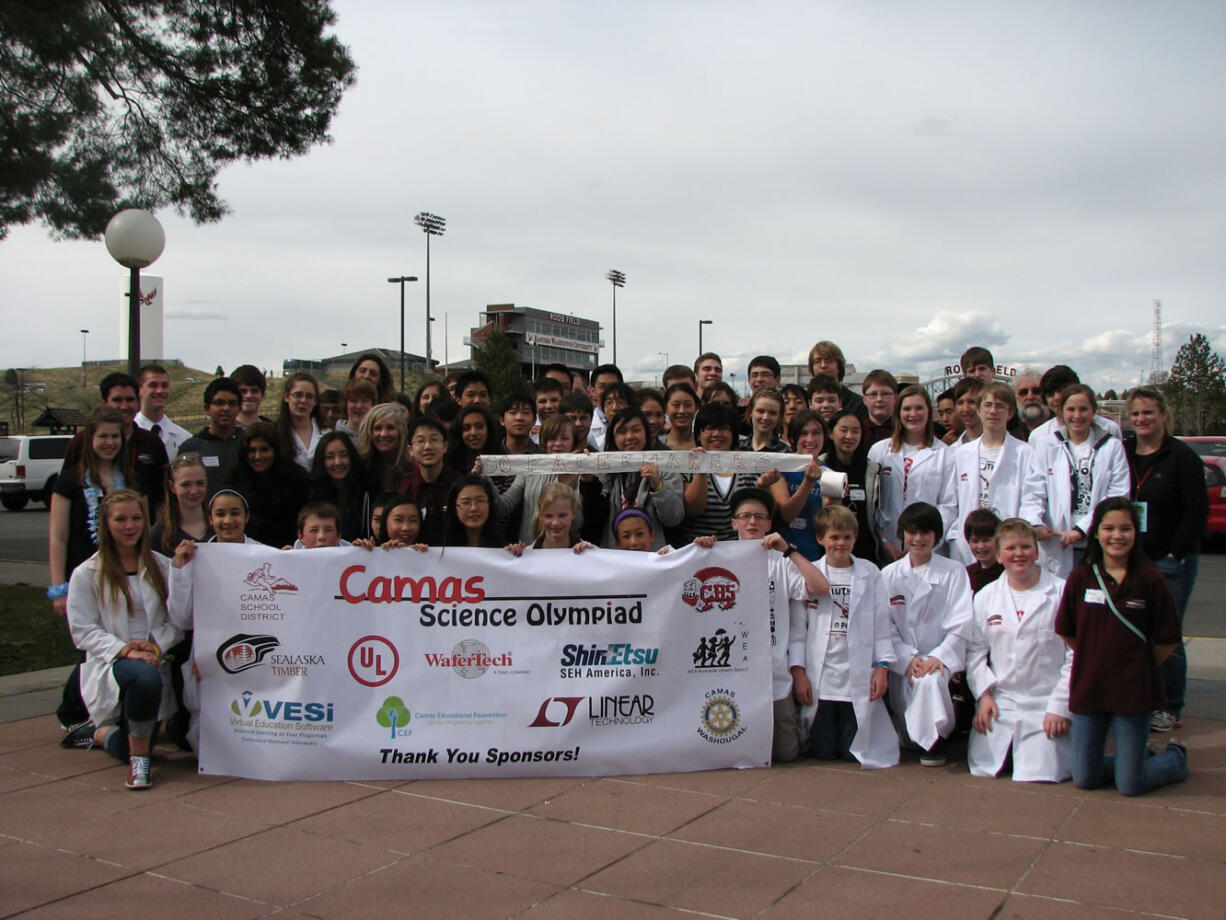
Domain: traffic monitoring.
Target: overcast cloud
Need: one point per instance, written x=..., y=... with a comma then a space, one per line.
x=904, y=179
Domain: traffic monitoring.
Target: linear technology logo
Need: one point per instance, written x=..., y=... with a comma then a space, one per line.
x=244, y=651
x=711, y=587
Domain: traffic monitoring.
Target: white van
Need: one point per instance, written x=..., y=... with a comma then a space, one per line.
x=29, y=466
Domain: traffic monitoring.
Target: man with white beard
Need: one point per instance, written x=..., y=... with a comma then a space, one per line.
x=1032, y=411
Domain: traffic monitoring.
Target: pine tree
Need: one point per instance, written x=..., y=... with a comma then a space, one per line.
x=1197, y=386
x=106, y=104
x=497, y=358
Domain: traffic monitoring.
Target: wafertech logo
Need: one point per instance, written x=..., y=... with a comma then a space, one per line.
x=721, y=717
x=470, y=659
x=242, y=651
x=264, y=579
x=711, y=587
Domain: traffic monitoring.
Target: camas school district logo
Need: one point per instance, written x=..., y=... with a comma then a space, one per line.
x=264, y=579
x=711, y=587
x=242, y=652
x=721, y=717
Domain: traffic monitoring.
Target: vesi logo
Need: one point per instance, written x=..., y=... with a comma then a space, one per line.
x=394, y=715
x=265, y=580
x=569, y=705
x=242, y=652
x=246, y=705
x=373, y=661
x=711, y=587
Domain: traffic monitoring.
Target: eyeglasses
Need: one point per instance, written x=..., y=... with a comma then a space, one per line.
x=427, y=442
x=1026, y=391
x=480, y=502
x=303, y=395
x=224, y=403
x=751, y=516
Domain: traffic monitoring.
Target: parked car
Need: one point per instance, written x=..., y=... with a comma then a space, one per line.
x=1212, y=452
x=29, y=466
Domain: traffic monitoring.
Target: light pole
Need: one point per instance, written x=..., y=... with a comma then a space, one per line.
x=344, y=345
x=84, y=333
x=401, y=281
x=701, y=323
x=619, y=280
x=431, y=225
x=135, y=239
x=665, y=354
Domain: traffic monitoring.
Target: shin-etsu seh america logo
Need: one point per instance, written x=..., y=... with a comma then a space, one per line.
x=264, y=580
x=711, y=587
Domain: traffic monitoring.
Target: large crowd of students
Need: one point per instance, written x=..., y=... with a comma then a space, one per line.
x=1003, y=563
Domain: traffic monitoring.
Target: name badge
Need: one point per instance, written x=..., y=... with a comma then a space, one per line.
x=857, y=495
x=211, y=461
x=1143, y=515
x=1095, y=596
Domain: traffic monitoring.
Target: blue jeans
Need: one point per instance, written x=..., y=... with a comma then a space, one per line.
x=1180, y=575
x=1133, y=769
x=140, y=695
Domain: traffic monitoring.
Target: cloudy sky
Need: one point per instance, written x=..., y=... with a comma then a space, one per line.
x=902, y=178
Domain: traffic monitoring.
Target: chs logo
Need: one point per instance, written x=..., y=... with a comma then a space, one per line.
x=711, y=587
x=242, y=652
x=394, y=716
x=264, y=580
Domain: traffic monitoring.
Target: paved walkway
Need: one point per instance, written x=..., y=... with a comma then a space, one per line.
x=800, y=841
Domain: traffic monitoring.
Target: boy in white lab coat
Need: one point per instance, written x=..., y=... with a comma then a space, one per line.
x=792, y=577
x=1019, y=668
x=930, y=618
x=847, y=653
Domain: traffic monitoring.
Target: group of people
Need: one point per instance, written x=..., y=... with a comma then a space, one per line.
x=1004, y=545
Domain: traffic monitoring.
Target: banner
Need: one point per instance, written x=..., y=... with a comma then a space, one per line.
x=629, y=461
x=353, y=664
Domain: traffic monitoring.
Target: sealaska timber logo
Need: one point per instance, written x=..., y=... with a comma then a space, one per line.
x=242, y=652
x=711, y=587
x=264, y=579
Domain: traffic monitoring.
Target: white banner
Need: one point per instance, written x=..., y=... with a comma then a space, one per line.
x=669, y=461
x=354, y=664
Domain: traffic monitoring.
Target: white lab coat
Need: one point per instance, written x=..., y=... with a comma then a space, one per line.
x=930, y=616
x=99, y=627
x=1015, y=479
x=1027, y=667
x=1047, y=431
x=931, y=480
x=868, y=640
x=1109, y=469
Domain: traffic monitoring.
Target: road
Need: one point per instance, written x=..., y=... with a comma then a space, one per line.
x=23, y=536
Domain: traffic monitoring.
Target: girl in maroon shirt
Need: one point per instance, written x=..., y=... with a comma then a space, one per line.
x=1118, y=616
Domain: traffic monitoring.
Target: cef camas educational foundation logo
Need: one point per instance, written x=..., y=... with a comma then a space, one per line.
x=711, y=587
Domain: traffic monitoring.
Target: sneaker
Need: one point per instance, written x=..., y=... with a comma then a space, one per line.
x=1163, y=721
x=80, y=736
x=138, y=773
x=1180, y=746
x=935, y=757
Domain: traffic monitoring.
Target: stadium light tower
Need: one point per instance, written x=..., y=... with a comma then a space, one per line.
x=431, y=225
x=619, y=280
x=401, y=281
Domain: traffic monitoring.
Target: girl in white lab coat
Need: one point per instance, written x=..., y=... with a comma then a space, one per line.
x=1082, y=465
x=913, y=468
x=930, y=621
x=117, y=615
x=1018, y=667
x=994, y=471
x=847, y=653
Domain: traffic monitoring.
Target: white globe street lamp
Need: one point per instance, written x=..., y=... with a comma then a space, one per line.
x=135, y=239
